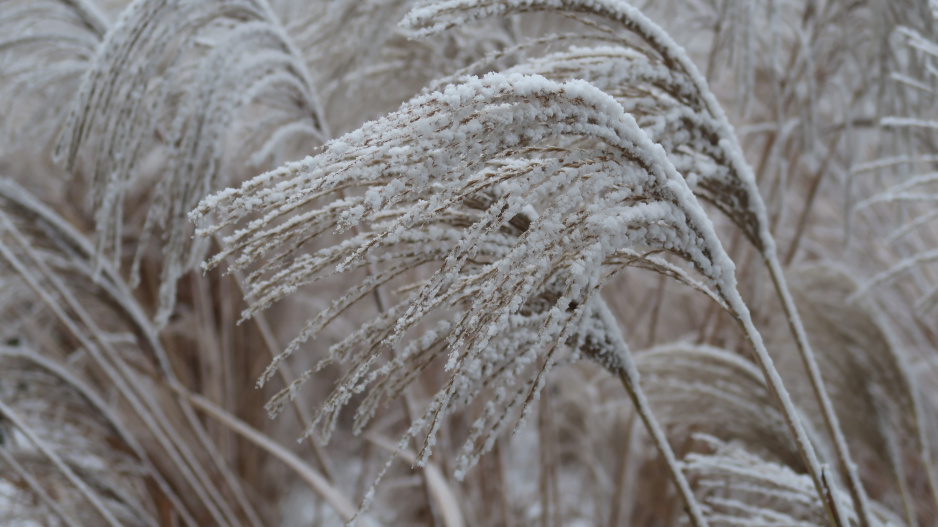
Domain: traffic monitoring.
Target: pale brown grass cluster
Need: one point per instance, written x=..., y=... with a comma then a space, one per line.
x=545, y=262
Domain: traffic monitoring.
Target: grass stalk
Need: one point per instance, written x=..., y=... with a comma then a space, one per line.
x=845, y=462
x=792, y=420
x=628, y=375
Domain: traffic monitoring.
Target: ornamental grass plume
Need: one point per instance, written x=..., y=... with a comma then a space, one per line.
x=562, y=164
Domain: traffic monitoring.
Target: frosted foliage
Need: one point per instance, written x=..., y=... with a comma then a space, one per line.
x=472, y=180
x=568, y=165
x=488, y=184
x=215, y=59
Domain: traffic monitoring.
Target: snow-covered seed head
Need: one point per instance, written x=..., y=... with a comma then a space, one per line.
x=499, y=207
